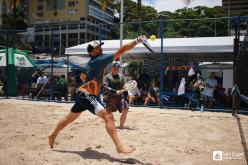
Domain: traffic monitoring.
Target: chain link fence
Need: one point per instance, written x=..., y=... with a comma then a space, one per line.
x=181, y=45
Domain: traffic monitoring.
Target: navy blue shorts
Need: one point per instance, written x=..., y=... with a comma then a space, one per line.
x=83, y=103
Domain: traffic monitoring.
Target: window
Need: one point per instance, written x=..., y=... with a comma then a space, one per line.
x=63, y=36
x=71, y=4
x=63, y=27
x=73, y=26
x=71, y=12
x=100, y=14
x=40, y=7
x=55, y=5
x=39, y=14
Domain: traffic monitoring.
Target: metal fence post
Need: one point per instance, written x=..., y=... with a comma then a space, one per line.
x=162, y=67
x=6, y=71
x=52, y=52
x=100, y=33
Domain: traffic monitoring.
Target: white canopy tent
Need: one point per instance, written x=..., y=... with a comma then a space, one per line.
x=171, y=45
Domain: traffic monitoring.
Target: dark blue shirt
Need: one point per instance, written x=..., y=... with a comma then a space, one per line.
x=94, y=69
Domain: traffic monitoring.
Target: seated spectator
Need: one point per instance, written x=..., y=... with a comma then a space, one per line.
x=62, y=87
x=153, y=95
x=42, y=80
x=35, y=77
x=133, y=95
x=143, y=93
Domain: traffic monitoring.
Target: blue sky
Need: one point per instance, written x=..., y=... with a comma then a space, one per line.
x=172, y=5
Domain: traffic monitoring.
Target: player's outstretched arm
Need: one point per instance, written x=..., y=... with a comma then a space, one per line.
x=128, y=46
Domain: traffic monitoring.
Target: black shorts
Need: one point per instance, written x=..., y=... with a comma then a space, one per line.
x=83, y=103
x=114, y=104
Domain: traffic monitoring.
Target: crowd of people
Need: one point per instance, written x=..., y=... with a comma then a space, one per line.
x=52, y=87
x=146, y=92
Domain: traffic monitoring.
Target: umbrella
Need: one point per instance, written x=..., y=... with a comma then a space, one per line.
x=16, y=57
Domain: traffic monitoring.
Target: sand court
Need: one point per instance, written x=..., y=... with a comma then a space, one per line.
x=160, y=136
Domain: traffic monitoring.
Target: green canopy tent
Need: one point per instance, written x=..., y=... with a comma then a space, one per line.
x=15, y=58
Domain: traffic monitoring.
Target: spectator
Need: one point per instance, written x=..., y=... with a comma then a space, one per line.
x=208, y=92
x=62, y=87
x=153, y=95
x=35, y=77
x=143, y=92
x=61, y=81
x=133, y=95
x=42, y=80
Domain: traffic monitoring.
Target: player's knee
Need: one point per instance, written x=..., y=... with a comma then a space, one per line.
x=108, y=117
x=124, y=111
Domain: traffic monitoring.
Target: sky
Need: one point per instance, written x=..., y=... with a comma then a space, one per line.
x=173, y=5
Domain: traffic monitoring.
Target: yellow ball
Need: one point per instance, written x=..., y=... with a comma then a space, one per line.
x=153, y=37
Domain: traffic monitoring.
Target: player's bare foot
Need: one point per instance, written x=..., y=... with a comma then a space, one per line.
x=123, y=150
x=51, y=141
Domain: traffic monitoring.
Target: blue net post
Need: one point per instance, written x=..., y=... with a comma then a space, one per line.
x=161, y=26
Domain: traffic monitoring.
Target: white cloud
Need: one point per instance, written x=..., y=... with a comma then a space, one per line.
x=148, y=3
x=209, y=3
x=173, y=5
x=169, y=5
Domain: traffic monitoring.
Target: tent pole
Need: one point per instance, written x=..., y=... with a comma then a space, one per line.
x=6, y=72
x=67, y=73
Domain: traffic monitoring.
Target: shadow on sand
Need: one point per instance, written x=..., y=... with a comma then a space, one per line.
x=88, y=153
x=126, y=128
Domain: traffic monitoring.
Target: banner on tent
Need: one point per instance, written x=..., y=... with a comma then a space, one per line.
x=2, y=59
x=22, y=61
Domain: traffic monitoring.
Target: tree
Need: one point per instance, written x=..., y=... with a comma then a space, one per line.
x=176, y=25
x=15, y=19
x=12, y=4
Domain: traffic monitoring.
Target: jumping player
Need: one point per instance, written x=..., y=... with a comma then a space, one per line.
x=86, y=96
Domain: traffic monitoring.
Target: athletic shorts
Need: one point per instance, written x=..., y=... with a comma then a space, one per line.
x=83, y=103
x=114, y=104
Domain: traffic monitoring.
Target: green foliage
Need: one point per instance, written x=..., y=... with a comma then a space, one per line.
x=15, y=19
x=175, y=25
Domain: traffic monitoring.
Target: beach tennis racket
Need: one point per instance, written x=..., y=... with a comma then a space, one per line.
x=130, y=85
x=147, y=45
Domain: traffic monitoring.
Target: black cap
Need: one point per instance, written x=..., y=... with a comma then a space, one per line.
x=92, y=45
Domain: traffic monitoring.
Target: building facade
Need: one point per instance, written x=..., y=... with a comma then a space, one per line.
x=72, y=22
x=235, y=7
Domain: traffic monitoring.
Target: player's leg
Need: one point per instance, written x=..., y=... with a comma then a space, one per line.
x=61, y=124
x=147, y=100
x=122, y=106
x=123, y=117
x=110, y=127
x=158, y=101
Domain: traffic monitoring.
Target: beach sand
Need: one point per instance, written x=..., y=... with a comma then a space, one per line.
x=159, y=136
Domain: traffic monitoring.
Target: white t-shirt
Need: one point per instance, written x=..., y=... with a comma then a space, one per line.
x=134, y=92
x=42, y=80
x=210, y=91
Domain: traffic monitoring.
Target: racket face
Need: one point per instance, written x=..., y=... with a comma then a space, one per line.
x=130, y=85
